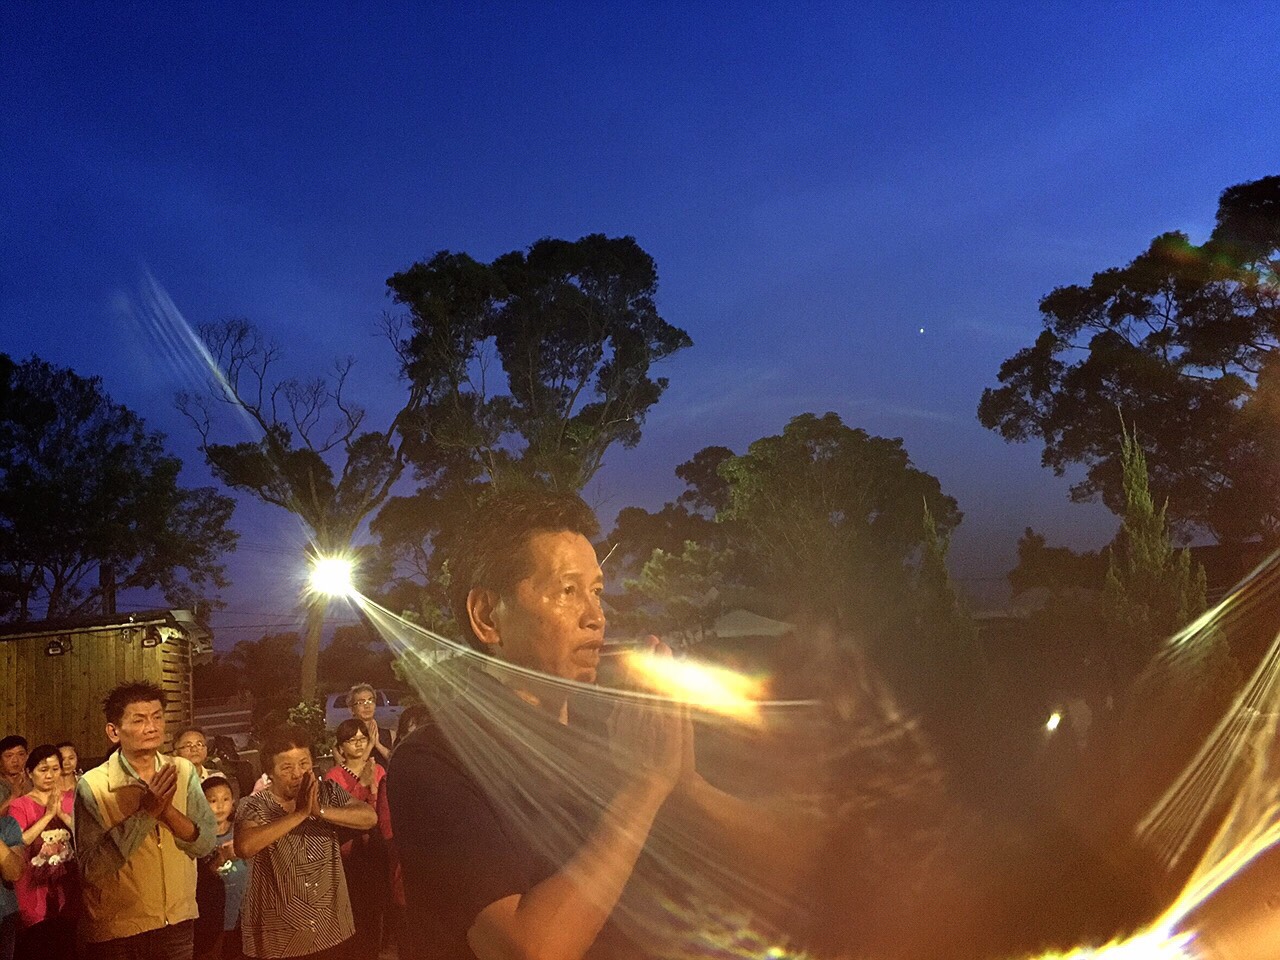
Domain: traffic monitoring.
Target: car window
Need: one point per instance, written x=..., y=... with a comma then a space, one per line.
x=339, y=701
x=390, y=697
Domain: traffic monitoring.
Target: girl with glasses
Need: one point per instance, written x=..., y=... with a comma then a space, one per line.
x=365, y=856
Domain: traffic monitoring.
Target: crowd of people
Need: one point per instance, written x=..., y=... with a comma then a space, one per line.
x=168, y=856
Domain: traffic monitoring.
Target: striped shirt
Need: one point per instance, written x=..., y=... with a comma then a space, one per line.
x=297, y=900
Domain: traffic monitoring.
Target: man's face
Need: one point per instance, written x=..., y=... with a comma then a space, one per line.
x=192, y=746
x=140, y=729
x=552, y=621
x=287, y=769
x=363, y=703
x=13, y=761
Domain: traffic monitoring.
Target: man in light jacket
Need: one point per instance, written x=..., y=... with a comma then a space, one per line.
x=141, y=823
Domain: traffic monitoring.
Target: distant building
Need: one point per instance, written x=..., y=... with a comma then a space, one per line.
x=56, y=672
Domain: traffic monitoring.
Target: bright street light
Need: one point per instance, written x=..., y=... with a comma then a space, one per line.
x=331, y=576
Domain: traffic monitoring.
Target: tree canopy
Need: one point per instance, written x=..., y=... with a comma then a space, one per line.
x=574, y=327
x=1183, y=340
x=833, y=518
x=528, y=369
x=90, y=502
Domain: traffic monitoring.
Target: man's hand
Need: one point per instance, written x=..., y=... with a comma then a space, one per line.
x=161, y=791
x=648, y=737
x=376, y=746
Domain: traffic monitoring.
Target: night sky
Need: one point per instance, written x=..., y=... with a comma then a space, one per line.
x=817, y=183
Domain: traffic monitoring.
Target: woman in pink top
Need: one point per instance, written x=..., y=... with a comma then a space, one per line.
x=48, y=891
x=365, y=857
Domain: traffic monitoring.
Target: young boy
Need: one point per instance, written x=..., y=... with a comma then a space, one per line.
x=222, y=881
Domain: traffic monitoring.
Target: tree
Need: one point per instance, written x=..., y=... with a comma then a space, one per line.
x=1184, y=339
x=303, y=426
x=1152, y=589
x=1169, y=694
x=575, y=332
x=1055, y=569
x=355, y=654
x=683, y=590
x=831, y=518
x=268, y=668
x=90, y=502
x=637, y=532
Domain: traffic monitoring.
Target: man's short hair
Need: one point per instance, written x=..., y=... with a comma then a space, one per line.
x=189, y=728
x=356, y=688
x=287, y=736
x=491, y=551
x=11, y=741
x=412, y=717
x=137, y=691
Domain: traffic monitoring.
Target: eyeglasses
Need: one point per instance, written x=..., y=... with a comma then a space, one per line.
x=189, y=745
x=368, y=701
x=358, y=738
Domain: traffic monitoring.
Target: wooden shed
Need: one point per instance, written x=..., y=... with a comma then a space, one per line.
x=54, y=674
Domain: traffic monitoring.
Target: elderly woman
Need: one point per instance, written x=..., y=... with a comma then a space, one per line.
x=49, y=890
x=365, y=858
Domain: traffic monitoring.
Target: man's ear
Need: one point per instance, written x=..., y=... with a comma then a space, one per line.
x=482, y=607
x=112, y=733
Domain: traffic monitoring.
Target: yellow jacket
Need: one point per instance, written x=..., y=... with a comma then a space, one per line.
x=137, y=876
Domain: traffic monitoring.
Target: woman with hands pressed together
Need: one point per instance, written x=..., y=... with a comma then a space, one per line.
x=297, y=903
x=49, y=890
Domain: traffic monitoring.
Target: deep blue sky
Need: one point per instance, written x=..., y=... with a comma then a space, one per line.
x=816, y=182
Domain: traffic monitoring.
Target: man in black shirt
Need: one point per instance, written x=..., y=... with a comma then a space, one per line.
x=518, y=822
x=515, y=840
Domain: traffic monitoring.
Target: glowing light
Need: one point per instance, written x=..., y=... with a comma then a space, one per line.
x=1054, y=721
x=718, y=690
x=1149, y=945
x=332, y=576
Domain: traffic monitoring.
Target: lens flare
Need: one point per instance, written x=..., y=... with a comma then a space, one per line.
x=1149, y=945
x=717, y=690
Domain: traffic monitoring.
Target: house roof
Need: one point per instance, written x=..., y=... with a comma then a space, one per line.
x=744, y=623
x=182, y=620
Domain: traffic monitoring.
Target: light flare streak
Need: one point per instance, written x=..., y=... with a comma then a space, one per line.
x=715, y=689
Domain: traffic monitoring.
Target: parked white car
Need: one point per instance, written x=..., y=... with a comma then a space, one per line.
x=386, y=711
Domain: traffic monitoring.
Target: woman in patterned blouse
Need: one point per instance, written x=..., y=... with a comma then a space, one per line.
x=297, y=904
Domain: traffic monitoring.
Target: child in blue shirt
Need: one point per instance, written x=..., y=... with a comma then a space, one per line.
x=221, y=882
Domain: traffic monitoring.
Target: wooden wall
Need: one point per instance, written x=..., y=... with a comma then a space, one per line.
x=49, y=699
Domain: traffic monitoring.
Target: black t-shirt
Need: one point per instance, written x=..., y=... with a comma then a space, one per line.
x=488, y=799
